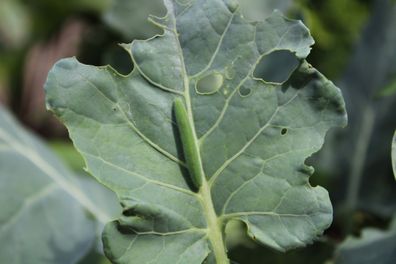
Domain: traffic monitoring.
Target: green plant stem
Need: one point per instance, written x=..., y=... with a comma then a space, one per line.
x=215, y=227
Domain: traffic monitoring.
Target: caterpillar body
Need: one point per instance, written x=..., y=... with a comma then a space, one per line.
x=190, y=147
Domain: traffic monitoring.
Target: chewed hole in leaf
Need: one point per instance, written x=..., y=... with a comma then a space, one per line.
x=245, y=91
x=284, y=131
x=276, y=67
x=116, y=56
x=209, y=84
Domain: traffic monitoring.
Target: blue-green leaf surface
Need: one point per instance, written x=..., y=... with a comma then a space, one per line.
x=253, y=136
x=257, y=9
x=129, y=17
x=373, y=246
x=47, y=215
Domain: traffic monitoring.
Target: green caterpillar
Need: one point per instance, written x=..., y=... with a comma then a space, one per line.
x=190, y=148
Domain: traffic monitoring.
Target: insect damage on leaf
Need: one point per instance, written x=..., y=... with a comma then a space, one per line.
x=195, y=110
x=209, y=84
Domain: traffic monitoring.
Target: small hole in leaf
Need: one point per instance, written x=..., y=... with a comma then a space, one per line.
x=244, y=91
x=276, y=67
x=284, y=131
x=114, y=109
x=209, y=84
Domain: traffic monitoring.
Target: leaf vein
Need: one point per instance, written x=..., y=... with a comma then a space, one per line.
x=268, y=123
x=130, y=123
x=52, y=173
x=163, y=184
x=28, y=202
x=218, y=46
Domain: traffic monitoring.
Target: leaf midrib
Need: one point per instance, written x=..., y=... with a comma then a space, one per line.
x=214, y=226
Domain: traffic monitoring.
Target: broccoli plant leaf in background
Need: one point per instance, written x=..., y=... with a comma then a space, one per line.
x=249, y=137
x=374, y=246
x=362, y=150
x=394, y=154
x=335, y=30
x=44, y=215
x=129, y=17
x=389, y=89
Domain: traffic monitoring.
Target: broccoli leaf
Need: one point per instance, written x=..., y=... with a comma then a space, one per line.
x=46, y=215
x=373, y=246
x=394, y=154
x=249, y=136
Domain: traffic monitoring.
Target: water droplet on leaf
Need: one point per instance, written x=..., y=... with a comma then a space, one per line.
x=225, y=91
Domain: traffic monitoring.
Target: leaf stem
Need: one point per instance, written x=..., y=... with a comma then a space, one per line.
x=194, y=163
x=215, y=226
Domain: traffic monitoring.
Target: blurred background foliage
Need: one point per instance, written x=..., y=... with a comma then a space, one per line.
x=355, y=47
